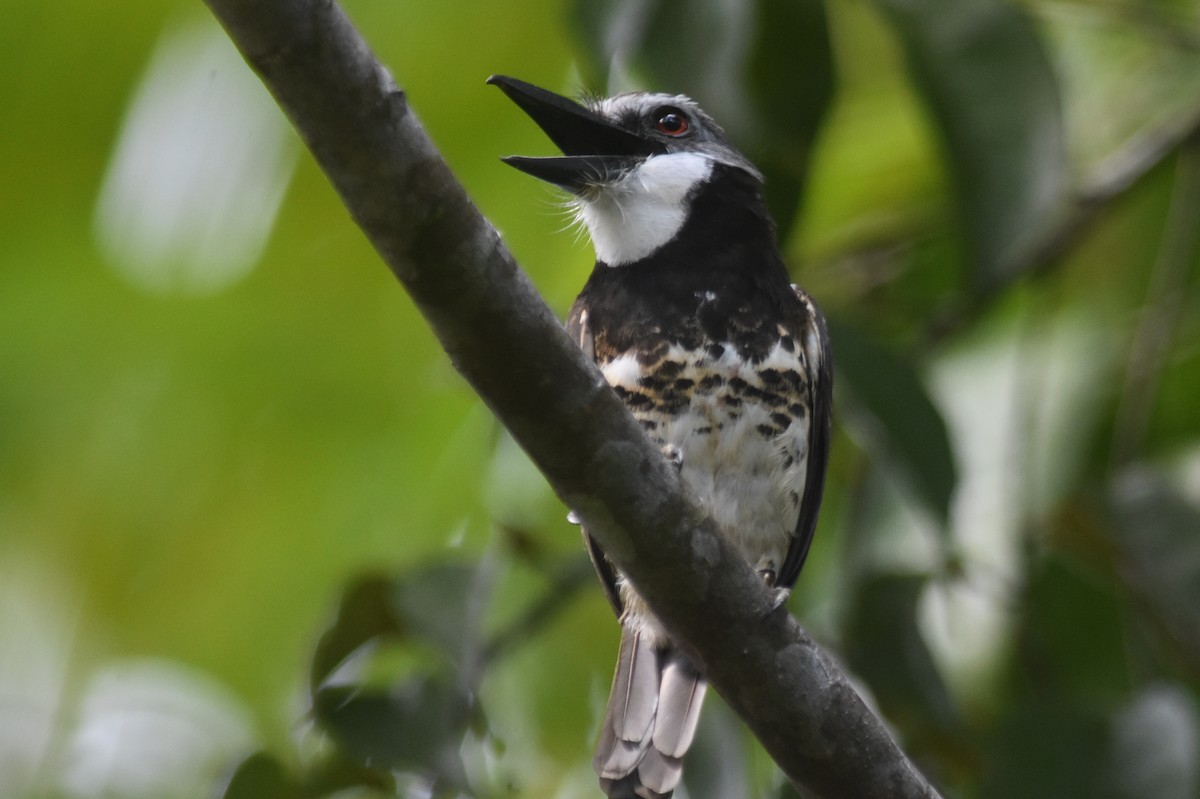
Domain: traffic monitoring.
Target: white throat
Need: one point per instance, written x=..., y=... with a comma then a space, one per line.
x=645, y=209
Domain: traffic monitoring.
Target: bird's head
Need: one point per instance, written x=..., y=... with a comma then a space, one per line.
x=632, y=162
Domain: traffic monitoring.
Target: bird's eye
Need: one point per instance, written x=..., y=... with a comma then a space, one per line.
x=671, y=121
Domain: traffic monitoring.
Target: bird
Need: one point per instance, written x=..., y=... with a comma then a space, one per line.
x=691, y=317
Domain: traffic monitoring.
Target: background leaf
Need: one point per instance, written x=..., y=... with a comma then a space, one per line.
x=261, y=776
x=364, y=614
x=417, y=726
x=894, y=413
x=1071, y=644
x=437, y=603
x=984, y=73
x=1158, y=535
x=442, y=603
x=888, y=650
x=1045, y=749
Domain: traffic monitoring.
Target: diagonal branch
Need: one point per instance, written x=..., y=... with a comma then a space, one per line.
x=513, y=351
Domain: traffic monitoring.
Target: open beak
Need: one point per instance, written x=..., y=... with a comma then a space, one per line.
x=595, y=151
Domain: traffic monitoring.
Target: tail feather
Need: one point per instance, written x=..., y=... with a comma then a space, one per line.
x=621, y=759
x=634, y=698
x=632, y=704
x=680, y=697
x=657, y=775
x=650, y=721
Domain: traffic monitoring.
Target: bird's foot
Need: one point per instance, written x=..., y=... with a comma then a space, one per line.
x=779, y=596
x=674, y=455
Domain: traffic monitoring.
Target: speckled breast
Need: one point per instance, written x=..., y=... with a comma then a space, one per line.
x=738, y=420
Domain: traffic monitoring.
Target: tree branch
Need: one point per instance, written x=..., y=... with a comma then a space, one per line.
x=511, y=348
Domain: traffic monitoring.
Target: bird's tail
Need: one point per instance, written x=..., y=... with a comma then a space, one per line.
x=650, y=721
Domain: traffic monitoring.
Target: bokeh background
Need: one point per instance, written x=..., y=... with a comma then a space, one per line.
x=258, y=539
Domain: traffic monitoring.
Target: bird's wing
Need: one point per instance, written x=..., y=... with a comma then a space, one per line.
x=820, y=399
x=580, y=332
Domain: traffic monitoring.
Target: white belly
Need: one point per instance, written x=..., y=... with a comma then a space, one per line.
x=743, y=440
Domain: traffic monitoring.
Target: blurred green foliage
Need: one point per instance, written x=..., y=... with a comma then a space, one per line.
x=203, y=447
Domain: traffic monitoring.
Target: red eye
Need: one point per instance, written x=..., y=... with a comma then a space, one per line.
x=671, y=121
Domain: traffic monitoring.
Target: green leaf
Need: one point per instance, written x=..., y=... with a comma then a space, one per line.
x=1174, y=418
x=990, y=87
x=1159, y=551
x=336, y=772
x=763, y=69
x=419, y=726
x=261, y=776
x=1071, y=638
x=442, y=602
x=437, y=603
x=1113, y=60
x=364, y=614
x=1044, y=749
x=886, y=648
x=893, y=412
x=791, y=83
